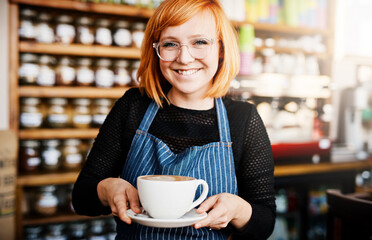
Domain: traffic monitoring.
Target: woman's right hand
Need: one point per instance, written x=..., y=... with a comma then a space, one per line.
x=118, y=194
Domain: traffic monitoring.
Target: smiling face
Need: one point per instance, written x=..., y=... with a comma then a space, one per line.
x=191, y=77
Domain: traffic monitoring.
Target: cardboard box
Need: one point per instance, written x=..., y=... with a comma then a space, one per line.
x=8, y=175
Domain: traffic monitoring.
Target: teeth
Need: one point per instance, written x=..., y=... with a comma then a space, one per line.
x=187, y=72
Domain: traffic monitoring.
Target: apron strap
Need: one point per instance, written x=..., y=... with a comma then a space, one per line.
x=149, y=116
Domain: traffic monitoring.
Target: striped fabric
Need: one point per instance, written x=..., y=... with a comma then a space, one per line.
x=212, y=162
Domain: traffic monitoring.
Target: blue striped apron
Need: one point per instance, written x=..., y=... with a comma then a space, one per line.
x=212, y=162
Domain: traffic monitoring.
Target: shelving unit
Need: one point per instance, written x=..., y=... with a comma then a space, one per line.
x=16, y=92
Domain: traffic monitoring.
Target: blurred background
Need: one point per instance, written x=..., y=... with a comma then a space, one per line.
x=305, y=64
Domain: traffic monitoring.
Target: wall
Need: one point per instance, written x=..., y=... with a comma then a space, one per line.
x=4, y=66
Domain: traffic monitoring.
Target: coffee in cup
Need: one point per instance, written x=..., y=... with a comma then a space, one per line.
x=169, y=196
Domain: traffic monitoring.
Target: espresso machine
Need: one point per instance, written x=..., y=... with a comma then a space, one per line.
x=355, y=116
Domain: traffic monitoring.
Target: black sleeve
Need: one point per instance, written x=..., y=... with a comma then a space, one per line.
x=107, y=156
x=255, y=172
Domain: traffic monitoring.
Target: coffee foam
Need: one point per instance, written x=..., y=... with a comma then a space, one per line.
x=169, y=178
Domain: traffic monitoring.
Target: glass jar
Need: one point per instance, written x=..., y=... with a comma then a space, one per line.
x=57, y=113
x=28, y=69
x=46, y=201
x=47, y=74
x=84, y=72
x=29, y=156
x=134, y=70
x=81, y=114
x=50, y=154
x=56, y=232
x=31, y=115
x=44, y=28
x=27, y=28
x=68, y=194
x=138, y=32
x=32, y=233
x=110, y=229
x=85, y=31
x=103, y=32
x=65, y=30
x=121, y=73
x=97, y=229
x=104, y=75
x=78, y=230
x=101, y=107
x=72, y=156
x=65, y=72
x=122, y=36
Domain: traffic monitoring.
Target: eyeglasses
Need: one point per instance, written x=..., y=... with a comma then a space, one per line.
x=198, y=48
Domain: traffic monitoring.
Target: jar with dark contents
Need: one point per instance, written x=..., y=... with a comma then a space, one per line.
x=78, y=230
x=28, y=70
x=65, y=72
x=81, y=114
x=65, y=30
x=84, y=30
x=138, y=33
x=84, y=72
x=101, y=107
x=56, y=232
x=68, y=194
x=97, y=229
x=46, y=201
x=72, y=156
x=110, y=229
x=121, y=73
x=33, y=233
x=103, y=32
x=104, y=75
x=31, y=115
x=47, y=74
x=27, y=28
x=57, y=113
x=50, y=155
x=44, y=28
x=121, y=35
x=134, y=70
x=29, y=156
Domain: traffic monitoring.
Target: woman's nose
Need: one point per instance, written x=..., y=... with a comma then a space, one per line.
x=184, y=55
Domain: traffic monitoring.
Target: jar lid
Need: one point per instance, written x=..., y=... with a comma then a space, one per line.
x=31, y=101
x=64, y=19
x=48, y=188
x=33, y=230
x=56, y=228
x=47, y=59
x=122, y=24
x=103, y=22
x=81, y=101
x=104, y=62
x=84, y=61
x=72, y=142
x=136, y=64
x=30, y=143
x=58, y=101
x=45, y=16
x=138, y=26
x=78, y=226
x=84, y=20
x=102, y=101
x=121, y=63
x=50, y=143
x=27, y=12
x=29, y=57
x=66, y=61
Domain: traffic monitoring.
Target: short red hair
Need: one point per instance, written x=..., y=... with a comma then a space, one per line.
x=177, y=12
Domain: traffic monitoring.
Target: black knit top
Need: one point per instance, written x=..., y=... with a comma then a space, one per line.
x=182, y=128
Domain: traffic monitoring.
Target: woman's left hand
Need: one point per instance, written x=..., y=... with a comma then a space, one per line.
x=222, y=209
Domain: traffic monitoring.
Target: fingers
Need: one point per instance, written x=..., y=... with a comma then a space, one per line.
x=207, y=204
x=132, y=196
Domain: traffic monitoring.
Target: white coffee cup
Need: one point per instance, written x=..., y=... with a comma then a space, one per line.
x=169, y=196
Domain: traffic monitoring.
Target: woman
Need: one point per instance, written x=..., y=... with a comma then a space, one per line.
x=189, y=56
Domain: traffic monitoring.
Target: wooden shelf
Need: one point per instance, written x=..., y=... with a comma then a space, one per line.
x=305, y=169
x=283, y=29
x=79, y=50
x=102, y=8
x=32, y=180
x=293, y=51
x=32, y=220
x=58, y=133
x=71, y=92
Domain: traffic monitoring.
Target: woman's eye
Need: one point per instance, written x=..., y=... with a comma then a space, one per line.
x=201, y=42
x=169, y=44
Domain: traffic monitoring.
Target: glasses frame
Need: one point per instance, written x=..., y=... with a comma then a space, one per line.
x=156, y=46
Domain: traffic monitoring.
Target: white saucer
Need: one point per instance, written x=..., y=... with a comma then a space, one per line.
x=188, y=219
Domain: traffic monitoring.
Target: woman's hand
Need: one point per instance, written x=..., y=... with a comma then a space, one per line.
x=224, y=208
x=118, y=194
